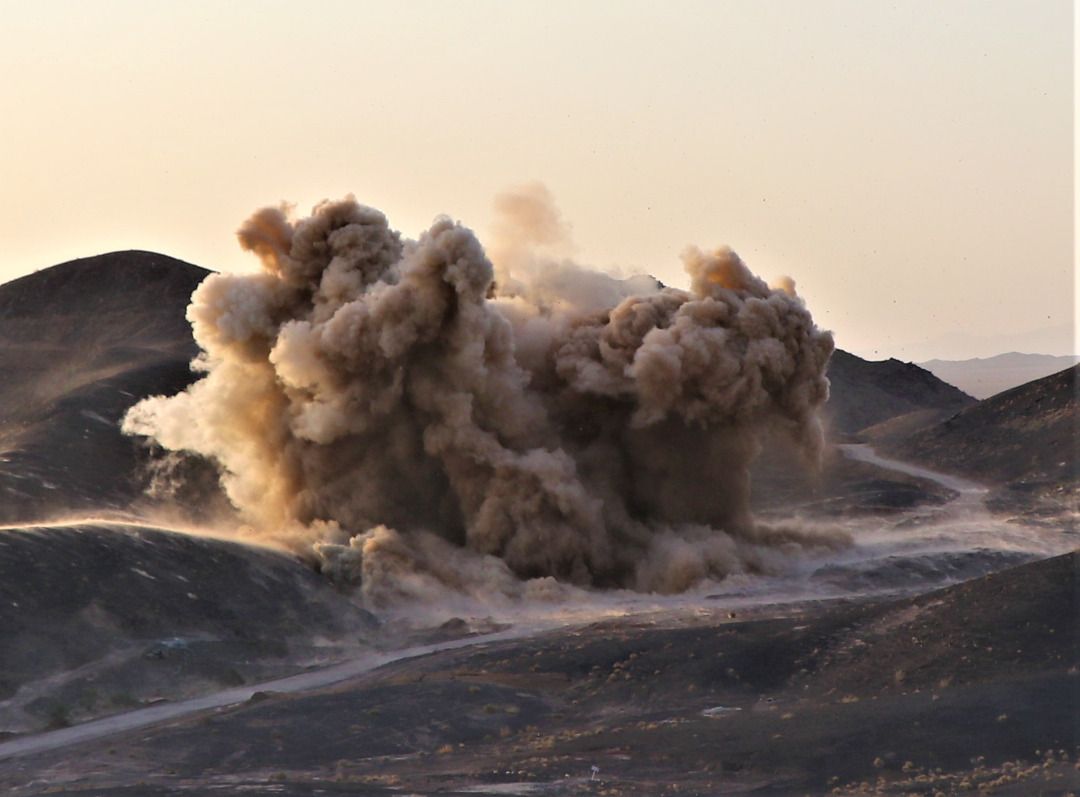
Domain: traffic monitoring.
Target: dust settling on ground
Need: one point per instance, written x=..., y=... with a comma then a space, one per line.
x=424, y=415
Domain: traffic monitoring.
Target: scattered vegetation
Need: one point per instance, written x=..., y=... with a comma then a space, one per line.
x=58, y=716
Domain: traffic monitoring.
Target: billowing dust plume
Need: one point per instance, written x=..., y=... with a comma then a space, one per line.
x=415, y=416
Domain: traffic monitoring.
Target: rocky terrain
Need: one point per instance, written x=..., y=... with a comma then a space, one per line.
x=1023, y=441
x=865, y=393
x=102, y=618
x=968, y=689
x=79, y=344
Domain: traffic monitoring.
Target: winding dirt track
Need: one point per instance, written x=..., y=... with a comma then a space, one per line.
x=313, y=679
x=864, y=453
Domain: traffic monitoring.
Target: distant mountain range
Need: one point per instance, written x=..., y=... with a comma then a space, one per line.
x=987, y=376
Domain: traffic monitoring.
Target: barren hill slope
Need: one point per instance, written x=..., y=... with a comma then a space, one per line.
x=1027, y=436
x=80, y=343
x=947, y=692
x=865, y=393
x=96, y=618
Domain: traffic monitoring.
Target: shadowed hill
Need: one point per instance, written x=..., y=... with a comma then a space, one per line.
x=865, y=393
x=944, y=693
x=1027, y=435
x=96, y=618
x=79, y=344
x=121, y=298
x=866, y=399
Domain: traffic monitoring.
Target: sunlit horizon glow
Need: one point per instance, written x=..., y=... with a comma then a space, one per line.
x=911, y=167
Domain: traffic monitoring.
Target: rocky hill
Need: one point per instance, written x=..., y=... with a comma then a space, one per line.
x=1026, y=437
x=99, y=618
x=969, y=689
x=79, y=344
x=865, y=393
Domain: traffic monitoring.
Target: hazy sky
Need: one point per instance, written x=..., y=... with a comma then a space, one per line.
x=910, y=164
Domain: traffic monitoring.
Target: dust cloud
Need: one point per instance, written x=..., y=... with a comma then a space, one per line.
x=416, y=416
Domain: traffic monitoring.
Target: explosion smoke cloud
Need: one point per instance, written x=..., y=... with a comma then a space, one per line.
x=414, y=415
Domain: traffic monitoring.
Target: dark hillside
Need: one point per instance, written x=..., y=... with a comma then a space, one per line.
x=865, y=393
x=1027, y=435
x=79, y=344
x=970, y=689
x=98, y=618
x=116, y=298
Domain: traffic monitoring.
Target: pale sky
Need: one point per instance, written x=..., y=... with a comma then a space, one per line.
x=909, y=164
